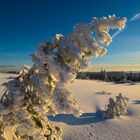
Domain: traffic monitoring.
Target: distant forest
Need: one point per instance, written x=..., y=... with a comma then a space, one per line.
x=118, y=77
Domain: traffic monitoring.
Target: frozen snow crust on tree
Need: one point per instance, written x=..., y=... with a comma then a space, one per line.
x=116, y=108
x=43, y=89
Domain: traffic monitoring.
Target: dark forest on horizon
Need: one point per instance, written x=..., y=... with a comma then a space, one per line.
x=103, y=75
x=114, y=76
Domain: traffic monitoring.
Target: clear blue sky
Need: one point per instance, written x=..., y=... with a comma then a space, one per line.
x=25, y=23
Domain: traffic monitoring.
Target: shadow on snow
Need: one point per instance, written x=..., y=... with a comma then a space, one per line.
x=86, y=118
x=136, y=102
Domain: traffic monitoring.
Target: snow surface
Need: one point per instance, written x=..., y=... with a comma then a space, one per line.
x=90, y=126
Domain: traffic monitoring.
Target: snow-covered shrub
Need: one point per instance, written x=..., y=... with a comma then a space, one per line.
x=45, y=87
x=116, y=108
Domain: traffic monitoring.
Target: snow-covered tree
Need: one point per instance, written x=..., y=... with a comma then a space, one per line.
x=104, y=76
x=123, y=77
x=45, y=87
x=116, y=108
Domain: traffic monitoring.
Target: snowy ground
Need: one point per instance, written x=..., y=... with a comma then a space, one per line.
x=91, y=126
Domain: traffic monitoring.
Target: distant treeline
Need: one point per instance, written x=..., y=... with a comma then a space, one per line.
x=10, y=71
x=119, y=77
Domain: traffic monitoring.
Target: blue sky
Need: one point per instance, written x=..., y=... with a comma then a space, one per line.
x=25, y=23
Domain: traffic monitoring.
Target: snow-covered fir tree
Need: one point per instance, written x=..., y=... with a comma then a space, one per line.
x=44, y=88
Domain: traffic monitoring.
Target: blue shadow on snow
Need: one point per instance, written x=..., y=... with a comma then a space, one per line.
x=86, y=118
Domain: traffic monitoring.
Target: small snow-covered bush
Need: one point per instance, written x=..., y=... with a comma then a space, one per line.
x=116, y=108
